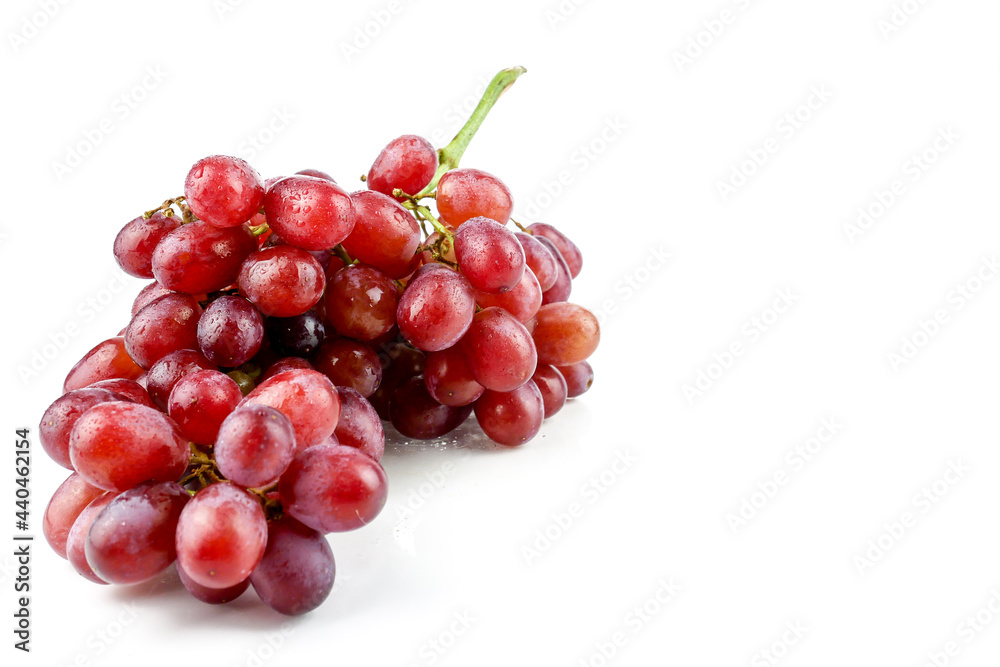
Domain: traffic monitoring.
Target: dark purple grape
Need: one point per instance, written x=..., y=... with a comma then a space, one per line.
x=297, y=336
x=296, y=573
x=415, y=413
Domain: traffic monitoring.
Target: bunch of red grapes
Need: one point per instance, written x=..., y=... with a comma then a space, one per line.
x=238, y=418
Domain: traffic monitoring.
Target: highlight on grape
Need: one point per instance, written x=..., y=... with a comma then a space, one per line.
x=241, y=414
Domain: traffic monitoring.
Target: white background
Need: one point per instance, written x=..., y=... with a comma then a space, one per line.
x=660, y=136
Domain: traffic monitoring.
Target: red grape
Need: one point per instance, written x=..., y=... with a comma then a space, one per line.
x=489, y=255
x=359, y=425
x=310, y=213
x=333, y=488
x=72, y=496
x=401, y=363
x=127, y=389
x=166, y=325
x=221, y=536
x=468, y=193
x=147, y=295
x=296, y=573
x=165, y=373
x=132, y=539
x=198, y=258
x=407, y=162
x=230, y=331
x=117, y=445
x=136, y=241
x=282, y=281
x=200, y=401
x=212, y=595
x=254, y=446
x=499, y=350
x=315, y=173
x=511, y=418
x=563, y=285
x=105, y=361
x=307, y=398
x=436, y=308
x=539, y=259
x=569, y=251
x=523, y=301
x=579, y=378
x=553, y=387
x=449, y=379
x=223, y=191
x=76, y=541
x=415, y=413
x=285, y=364
x=361, y=302
x=349, y=363
x=60, y=417
x=385, y=234
x=565, y=334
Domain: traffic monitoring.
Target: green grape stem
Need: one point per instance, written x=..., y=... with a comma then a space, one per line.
x=450, y=155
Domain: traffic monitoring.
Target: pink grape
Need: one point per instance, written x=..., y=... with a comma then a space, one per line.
x=255, y=445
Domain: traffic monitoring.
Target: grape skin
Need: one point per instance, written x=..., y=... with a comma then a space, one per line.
x=211, y=595
x=72, y=496
x=567, y=249
x=198, y=258
x=200, y=401
x=489, y=255
x=333, y=488
x=221, y=535
x=407, y=162
x=105, y=361
x=132, y=539
x=168, y=324
x=415, y=413
x=499, y=350
x=307, y=398
x=60, y=417
x=282, y=281
x=76, y=541
x=467, y=193
x=579, y=378
x=134, y=245
x=224, y=191
x=565, y=334
x=552, y=385
x=255, y=445
x=385, y=235
x=359, y=425
x=309, y=213
x=436, y=308
x=511, y=418
x=297, y=571
x=115, y=446
x=164, y=375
